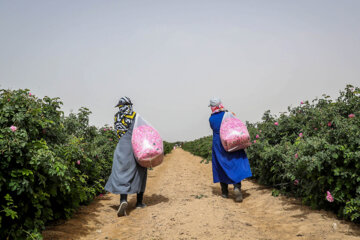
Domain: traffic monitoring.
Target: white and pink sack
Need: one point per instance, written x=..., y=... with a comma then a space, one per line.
x=147, y=144
x=233, y=133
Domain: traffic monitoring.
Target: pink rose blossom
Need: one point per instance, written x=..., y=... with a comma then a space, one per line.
x=8, y=99
x=13, y=128
x=296, y=182
x=276, y=123
x=329, y=197
x=301, y=135
x=351, y=115
x=30, y=94
x=78, y=162
x=257, y=136
x=105, y=129
x=301, y=102
x=329, y=124
x=254, y=141
x=296, y=156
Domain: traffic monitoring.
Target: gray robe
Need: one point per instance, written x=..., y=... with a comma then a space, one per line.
x=127, y=176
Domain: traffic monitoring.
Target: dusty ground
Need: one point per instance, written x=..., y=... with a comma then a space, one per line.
x=183, y=203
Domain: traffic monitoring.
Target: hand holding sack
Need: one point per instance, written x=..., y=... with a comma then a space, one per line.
x=147, y=144
x=233, y=133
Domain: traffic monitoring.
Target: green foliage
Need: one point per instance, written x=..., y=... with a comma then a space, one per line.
x=168, y=147
x=200, y=147
x=50, y=164
x=315, y=148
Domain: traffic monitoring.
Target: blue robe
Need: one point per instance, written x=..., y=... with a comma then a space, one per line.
x=228, y=167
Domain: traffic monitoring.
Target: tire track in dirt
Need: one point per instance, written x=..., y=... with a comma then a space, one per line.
x=183, y=203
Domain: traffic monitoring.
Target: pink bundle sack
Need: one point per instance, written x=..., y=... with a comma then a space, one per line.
x=147, y=144
x=233, y=133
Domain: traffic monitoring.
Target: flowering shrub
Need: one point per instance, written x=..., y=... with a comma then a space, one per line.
x=316, y=145
x=49, y=164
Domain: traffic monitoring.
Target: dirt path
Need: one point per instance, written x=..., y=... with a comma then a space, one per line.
x=183, y=203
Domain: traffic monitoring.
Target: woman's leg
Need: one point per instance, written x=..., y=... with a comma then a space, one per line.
x=237, y=185
x=123, y=197
x=139, y=199
x=123, y=205
x=224, y=190
x=237, y=192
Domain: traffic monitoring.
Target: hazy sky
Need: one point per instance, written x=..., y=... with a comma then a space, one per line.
x=171, y=57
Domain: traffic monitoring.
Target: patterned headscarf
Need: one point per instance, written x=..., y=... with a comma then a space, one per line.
x=218, y=108
x=124, y=117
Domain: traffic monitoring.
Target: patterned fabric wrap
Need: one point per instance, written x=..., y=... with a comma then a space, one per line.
x=216, y=109
x=124, y=117
x=233, y=133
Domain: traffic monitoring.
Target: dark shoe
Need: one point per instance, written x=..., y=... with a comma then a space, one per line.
x=140, y=205
x=238, y=195
x=225, y=195
x=122, y=209
x=224, y=190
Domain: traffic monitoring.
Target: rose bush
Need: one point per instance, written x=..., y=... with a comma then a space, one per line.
x=317, y=144
x=49, y=164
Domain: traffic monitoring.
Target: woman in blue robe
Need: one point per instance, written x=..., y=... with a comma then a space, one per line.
x=228, y=167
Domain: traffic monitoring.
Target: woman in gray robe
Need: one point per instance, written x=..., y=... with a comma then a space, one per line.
x=127, y=176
